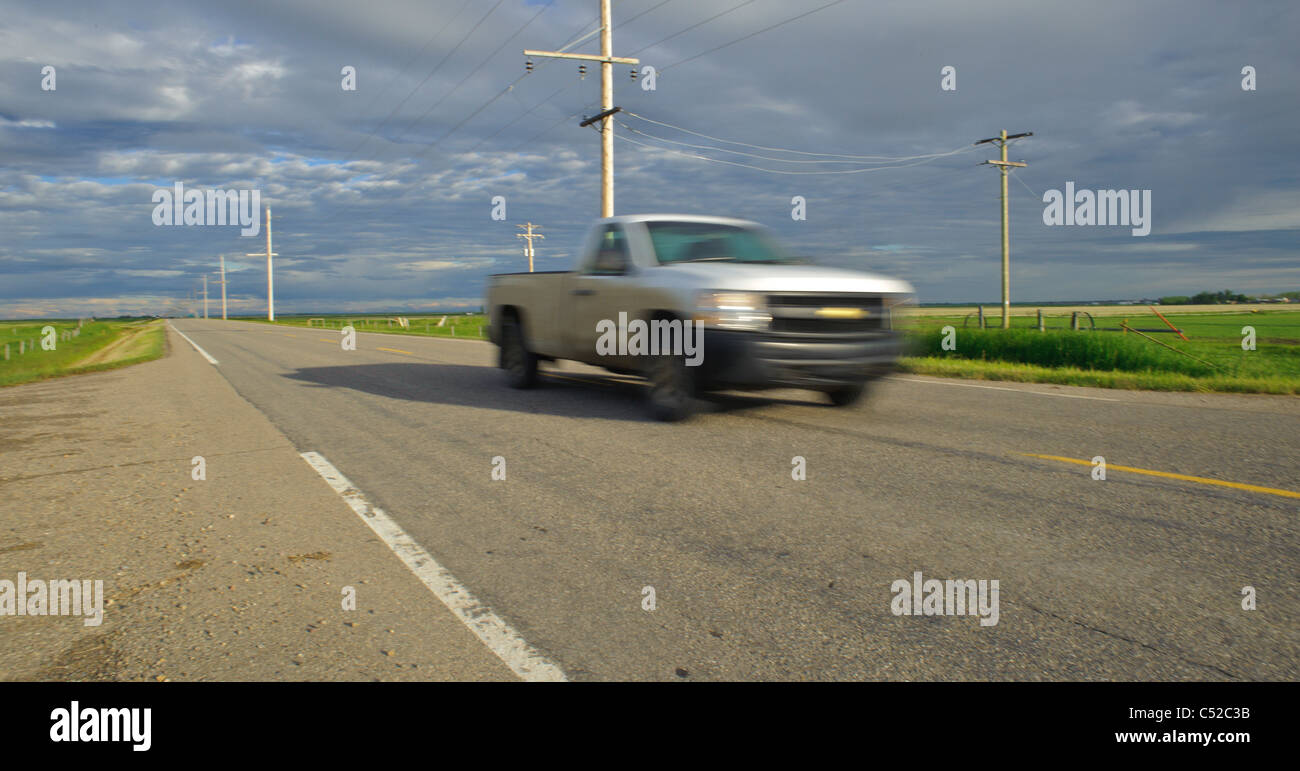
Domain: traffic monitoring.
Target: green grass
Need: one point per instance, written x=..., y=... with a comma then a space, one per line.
x=471, y=326
x=1118, y=360
x=1149, y=381
x=68, y=357
x=1058, y=349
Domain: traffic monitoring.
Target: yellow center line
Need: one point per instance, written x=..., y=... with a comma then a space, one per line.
x=1171, y=475
x=395, y=350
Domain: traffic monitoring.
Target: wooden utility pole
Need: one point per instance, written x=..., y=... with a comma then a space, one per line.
x=223, y=287
x=1005, y=166
x=607, y=109
x=205, y=295
x=530, y=235
x=270, y=281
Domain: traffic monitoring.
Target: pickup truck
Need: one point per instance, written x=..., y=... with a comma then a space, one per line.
x=730, y=307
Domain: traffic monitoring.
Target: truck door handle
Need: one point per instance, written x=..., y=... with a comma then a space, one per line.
x=583, y=291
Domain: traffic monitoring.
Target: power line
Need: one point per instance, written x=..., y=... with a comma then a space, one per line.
x=520, y=117
x=464, y=80
x=693, y=26
x=752, y=34
x=470, y=117
x=776, y=171
x=737, y=40
x=1017, y=178
x=412, y=124
x=418, y=86
x=406, y=66
x=486, y=104
x=510, y=88
x=648, y=10
x=546, y=131
x=631, y=114
x=573, y=40
x=506, y=90
x=843, y=159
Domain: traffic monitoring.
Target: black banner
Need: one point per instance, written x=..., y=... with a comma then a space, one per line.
x=255, y=720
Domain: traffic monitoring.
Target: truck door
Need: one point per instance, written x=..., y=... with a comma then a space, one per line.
x=600, y=290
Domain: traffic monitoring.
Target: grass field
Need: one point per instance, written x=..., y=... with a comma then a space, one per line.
x=1116, y=359
x=98, y=346
x=470, y=326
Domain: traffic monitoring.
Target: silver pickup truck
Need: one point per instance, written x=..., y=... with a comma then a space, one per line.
x=695, y=304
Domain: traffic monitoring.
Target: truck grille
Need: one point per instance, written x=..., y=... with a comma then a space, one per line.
x=827, y=314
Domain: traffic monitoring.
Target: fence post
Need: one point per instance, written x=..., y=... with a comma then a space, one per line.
x=1041, y=328
x=981, y=316
x=1074, y=321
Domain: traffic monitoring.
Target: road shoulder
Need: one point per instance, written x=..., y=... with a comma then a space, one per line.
x=241, y=575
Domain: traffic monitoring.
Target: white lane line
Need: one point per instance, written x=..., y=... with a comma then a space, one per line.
x=496, y=634
x=1000, y=388
x=206, y=355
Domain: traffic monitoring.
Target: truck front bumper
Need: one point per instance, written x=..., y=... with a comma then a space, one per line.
x=786, y=360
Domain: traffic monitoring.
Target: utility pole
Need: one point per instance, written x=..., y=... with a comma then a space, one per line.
x=223, y=287
x=530, y=235
x=607, y=109
x=205, y=295
x=270, y=282
x=1005, y=167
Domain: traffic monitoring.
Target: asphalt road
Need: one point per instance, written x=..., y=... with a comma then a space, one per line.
x=759, y=576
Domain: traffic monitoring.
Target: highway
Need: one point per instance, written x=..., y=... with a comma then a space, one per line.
x=757, y=575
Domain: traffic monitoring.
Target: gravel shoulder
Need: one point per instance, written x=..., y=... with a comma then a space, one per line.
x=238, y=576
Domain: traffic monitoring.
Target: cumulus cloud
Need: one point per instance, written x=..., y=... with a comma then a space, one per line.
x=382, y=196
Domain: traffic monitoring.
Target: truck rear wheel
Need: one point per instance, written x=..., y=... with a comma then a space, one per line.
x=847, y=396
x=672, y=388
x=518, y=362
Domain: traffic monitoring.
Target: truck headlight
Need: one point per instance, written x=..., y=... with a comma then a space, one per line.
x=733, y=310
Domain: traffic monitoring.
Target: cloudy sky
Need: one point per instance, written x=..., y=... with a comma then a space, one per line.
x=382, y=196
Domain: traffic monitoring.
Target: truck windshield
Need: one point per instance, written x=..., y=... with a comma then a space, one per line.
x=712, y=242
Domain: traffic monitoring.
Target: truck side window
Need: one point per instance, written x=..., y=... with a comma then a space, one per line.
x=611, y=252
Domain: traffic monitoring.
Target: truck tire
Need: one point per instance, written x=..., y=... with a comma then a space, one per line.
x=847, y=396
x=519, y=363
x=672, y=388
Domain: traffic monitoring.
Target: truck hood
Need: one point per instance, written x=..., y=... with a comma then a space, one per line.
x=755, y=277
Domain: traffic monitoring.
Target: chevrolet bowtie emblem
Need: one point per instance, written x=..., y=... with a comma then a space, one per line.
x=841, y=313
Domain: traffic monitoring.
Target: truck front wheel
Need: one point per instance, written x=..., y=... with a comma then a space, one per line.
x=672, y=388
x=518, y=362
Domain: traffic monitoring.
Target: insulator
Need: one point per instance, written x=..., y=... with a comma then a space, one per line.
x=582, y=70
x=528, y=65
x=634, y=73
